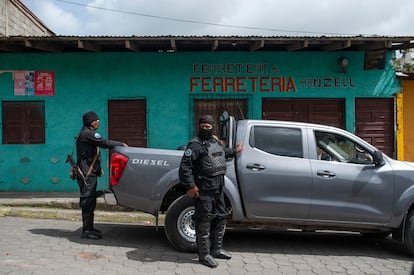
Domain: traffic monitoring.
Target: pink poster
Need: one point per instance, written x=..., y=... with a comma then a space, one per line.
x=23, y=82
x=30, y=83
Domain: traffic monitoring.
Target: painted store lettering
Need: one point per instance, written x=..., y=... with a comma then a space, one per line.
x=235, y=68
x=242, y=84
x=326, y=82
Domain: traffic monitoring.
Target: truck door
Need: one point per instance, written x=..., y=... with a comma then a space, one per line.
x=348, y=186
x=274, y=173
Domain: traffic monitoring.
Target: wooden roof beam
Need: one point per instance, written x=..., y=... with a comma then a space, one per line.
x=173, y=45
x=88, y=46
x=376, y=45
x=214, y=45
x=335, y=46
x=7, y=48
x=298, y=45
x=379, y=45
x=42, y=46
x=258, y=44
x=388, y=44
x=132, y=46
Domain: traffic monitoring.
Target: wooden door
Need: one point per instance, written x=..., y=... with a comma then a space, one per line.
x=322, y=111
x=374, y=121
x=127, y=121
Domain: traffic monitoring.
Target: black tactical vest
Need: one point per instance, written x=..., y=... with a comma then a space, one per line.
x=214, y=163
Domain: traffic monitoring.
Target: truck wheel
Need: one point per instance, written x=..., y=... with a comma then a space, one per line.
x=179, y=226
x=409, y=233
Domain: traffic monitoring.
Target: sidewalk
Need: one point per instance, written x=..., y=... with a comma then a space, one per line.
x=63, y=205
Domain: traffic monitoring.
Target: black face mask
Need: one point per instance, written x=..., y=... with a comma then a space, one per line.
x=205, y=133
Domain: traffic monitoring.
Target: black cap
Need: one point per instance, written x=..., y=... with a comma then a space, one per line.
x=206, y=119
x=89, y=117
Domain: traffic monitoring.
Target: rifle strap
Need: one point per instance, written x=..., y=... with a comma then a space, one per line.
x=93, y=163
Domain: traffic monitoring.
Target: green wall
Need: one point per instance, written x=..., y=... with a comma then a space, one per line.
x=86, y=81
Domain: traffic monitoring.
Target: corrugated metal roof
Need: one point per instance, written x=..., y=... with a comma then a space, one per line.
x=169, y=43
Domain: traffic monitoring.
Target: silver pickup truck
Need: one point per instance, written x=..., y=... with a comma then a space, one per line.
x=290, y=175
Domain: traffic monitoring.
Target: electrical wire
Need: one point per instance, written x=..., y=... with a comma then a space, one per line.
x=198, y=22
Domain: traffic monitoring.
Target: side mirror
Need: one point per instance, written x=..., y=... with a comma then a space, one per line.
x=378, y=159
x=224, y=117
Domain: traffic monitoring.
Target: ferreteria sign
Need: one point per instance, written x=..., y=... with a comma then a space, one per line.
x=263, y=77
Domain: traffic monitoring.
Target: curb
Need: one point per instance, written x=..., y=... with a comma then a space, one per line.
x=67, y=208
x=63, y=203
x=75, y=215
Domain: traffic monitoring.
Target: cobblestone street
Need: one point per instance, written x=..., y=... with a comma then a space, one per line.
x=39, y=246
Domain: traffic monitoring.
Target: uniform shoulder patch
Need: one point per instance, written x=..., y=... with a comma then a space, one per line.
x=97, y=135
x=188, y=152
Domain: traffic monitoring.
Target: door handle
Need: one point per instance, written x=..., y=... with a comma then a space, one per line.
x=325, y=174
x=255, y=166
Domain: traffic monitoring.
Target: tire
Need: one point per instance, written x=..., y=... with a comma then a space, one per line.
x=179, y=226
x=409, y=233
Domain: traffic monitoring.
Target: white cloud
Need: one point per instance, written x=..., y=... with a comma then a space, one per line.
x=56, y=18
x=294, y=17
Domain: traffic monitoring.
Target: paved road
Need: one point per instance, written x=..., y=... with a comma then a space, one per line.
x=39, y=246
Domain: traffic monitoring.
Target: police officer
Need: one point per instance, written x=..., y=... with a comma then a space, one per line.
x=202, y=170
x=87, y=144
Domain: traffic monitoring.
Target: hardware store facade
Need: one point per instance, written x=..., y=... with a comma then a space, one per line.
x=150, y=91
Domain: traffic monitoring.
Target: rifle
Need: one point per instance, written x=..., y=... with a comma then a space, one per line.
x=76, y=168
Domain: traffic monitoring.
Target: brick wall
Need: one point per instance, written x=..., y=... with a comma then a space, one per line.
x=17, y=19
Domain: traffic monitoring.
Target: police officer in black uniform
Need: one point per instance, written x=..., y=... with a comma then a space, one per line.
x=202, y=170
x=87, y=144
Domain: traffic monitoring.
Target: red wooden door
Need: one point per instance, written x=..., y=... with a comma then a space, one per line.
x=127, y=121
x=374, y=121
x=322, y=111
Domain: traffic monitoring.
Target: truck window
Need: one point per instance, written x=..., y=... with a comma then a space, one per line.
x=334, y=147
x=279, y=141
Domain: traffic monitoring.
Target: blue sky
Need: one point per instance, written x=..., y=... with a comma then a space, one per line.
x=226, y=17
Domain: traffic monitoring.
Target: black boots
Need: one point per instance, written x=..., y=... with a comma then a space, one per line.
x=203, y=243
x=216, y=239
x=209, y=261
x=88, y=232
x=204, y=256
x=221, y=254
x=210, y=245
x=93, y=234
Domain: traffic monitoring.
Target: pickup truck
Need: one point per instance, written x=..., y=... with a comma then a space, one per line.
x=290, y=175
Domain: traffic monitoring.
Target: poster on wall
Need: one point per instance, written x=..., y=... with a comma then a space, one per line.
x=34, y=83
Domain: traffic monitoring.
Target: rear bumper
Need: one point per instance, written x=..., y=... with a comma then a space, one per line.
x=110, y=198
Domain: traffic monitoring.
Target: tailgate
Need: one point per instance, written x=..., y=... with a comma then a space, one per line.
x=145, y=177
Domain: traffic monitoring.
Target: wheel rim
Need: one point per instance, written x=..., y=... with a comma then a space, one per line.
x=185, y=224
